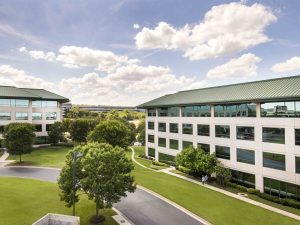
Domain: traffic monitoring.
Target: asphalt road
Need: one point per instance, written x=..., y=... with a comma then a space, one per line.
x=141, y=207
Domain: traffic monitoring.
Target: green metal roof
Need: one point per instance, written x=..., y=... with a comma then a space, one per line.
x=287, y=88
x=29, y=93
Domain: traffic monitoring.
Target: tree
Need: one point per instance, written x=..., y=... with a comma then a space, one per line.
x=141, y=132
x=223, y=175
x=56, y=133
x=197, y=161
x=114, y=132
x=19, y=138
x=79, y=129
x=107, y=176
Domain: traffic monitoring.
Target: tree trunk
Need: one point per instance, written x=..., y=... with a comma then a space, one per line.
x=97, y=209
x=20, y=157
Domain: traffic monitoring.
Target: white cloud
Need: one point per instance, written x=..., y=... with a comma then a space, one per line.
x=136, y=26
x=225, y=29
x=244, y=66
x=291, y=64
x=48, y=56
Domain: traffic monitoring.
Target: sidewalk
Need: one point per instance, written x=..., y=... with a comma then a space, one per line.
x=3, y=160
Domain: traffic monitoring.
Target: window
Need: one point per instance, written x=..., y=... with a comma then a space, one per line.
x=223, y=152
x=151, y=152
x=222, y=131
x=21, y=116
x=245, y=133
x=173, y=127
x=297, y=162
x=162, y=127
x=246, y=179
x=36, y=116
x=49, y=104
x=5, y=102
x=274, y=161
x=151, y=112
x=151, y=125
x=245, y=156
x=22, y=103
x=280, y=109
x=51, y=116
x=174, y=144
x=1, y=131
x=203, y=130
x=38, y=127
x=236, y=110
x=150, y=138
x=5, y=116
x=163, y=112
x=166, y=158
x=273, y=135
x=196, y=111
x=204, y=147
x=48, y=126
x=162, y=142
x=281, y=189
x=186, y=144
x=173, y=111
x=297, y=136
x=187, y=128
x=37, y=104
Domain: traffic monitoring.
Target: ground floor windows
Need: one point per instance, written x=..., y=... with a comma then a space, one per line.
x=246, y=179
x=162, y=142
x=5, y=116
x=222, y=131
x=204, y=147
x=38, y=128
x=297, y=164
x=223, y=152
x=150, y=138
x=1, y=129
x=245, y=156
x=174, y=144
x=274, y=161
x=186, y=144
x=245, y=133
x=51, y=116
x=48, y=127
x=187, y=128
x=281, y=189
x=162, y=127
x=297, y=136
x=166, y=158
x=21, y=116
x=151, y=152
x=273, y=135
x=203, y=129
x=174, y=128
x=151, y=125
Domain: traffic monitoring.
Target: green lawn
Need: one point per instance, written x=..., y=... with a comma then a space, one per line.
x=23, y=201
x=52, y=156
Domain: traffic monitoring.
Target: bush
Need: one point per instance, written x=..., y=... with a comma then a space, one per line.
x=291, y=202
x=183, y=169
x=241, y=188
x=156, y=163
x=253, y=191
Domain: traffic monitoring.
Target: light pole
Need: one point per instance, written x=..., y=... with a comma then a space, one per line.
x=75, y=184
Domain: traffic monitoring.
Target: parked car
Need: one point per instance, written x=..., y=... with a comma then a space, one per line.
x=137, y=144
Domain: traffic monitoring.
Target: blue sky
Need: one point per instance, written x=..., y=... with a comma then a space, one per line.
x=129, y=51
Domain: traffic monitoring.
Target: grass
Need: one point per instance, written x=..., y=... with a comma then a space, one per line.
x=23, y=201
x=52, y=156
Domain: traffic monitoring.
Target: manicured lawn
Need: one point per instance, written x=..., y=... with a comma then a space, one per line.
x=52, y=156
x=23, y=201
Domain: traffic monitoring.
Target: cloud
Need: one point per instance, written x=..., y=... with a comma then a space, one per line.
x=136, y=26
x=244, y=66
x=48, y=56
x=291, y=64
x=225, y=29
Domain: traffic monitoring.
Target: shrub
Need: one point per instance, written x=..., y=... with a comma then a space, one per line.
x=156, y=163
x=183, y=169
x=253, y=191
x=241, y=188
x=291, y=202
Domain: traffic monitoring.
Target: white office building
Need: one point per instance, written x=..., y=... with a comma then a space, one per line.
x=36, y=106
x=253, y=128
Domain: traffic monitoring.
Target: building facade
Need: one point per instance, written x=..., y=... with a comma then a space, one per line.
x=253, y=128
x=36, y=106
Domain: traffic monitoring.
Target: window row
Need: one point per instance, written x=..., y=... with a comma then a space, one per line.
x=38, y=127
x=24, y=116
x=25, y=103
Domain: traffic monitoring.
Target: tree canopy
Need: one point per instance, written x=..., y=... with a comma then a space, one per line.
x=79, y=129
x=55, y=132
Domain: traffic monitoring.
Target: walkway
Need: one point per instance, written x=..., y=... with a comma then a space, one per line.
x=3, y=161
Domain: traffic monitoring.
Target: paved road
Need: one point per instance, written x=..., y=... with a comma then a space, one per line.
x=141, y=207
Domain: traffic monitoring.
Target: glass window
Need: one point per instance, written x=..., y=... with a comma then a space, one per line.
x=151, y=152
x=173, y=111
x=38, y=127
x=281, y=189
x=5, y=116
x=279, y=109
x=273, y=135
x=203, y=130
x=274, y=161
x=162, y=127
x=223, y=152
x=204, y=147
x=1, y=131
x=162, y=112
x=297, y=160
x=173, y=127
x=297, y=136
x=187, y=128
x=37, y=116
x=151, y=125
x=37, y=104
x=48, y=126
x=150, y=138
x=245, y=156
x=21, y=116
x=174, y=144
x=4, y=102
x=222, y=131
x=236, y=110
x=50, y=104
x=22, y=103
x=166, y=158
x=162, y=142
x=186, y=144
x=151, y=112
x=51, y=116
x=245, y=133
x=196, y=111
x=245, y=179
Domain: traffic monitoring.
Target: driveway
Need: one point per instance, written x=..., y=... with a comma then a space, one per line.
x=141, y=207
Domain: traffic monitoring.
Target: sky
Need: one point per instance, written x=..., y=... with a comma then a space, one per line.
x=127, y=52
